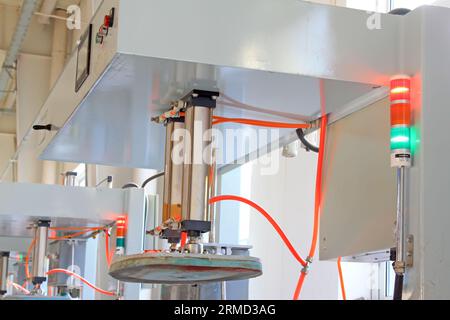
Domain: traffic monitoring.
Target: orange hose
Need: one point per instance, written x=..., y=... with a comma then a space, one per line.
x=19, y=287
x=108, y=293
x=341, y=279
x=299, y=286
x=254, y=122
x=318, y=194
x=108, y=254
x=152, y=251
x=73, y=235
x=261, y=123
x=268, y=217
x=27, y=259
x=75, y=228
x=183, y=239
x=317, y=202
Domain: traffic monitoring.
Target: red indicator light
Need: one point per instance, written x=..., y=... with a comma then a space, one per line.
x=400, y=101
x=400, y=95
x=107, y=21
x=121, y=221
x=121, y=224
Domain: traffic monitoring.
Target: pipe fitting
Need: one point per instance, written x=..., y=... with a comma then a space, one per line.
x=307, y=267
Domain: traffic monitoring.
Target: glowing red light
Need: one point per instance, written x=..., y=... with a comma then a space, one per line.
x=400, y=101
x=401, y=89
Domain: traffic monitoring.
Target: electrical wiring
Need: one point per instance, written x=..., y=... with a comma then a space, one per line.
x=152, y=251
x=267, y=216
x=160, y=174
x=27, y=259
x=67, y=237
x=75, y=228
x=108, y=254
x=318, y=196
x=230, y=102
x=341, y=279
x=19, y=287
x=261, y=123
x=84, y=230
x=299, y=286
x=68, y=272
x=130, y=185
x=306, y=143
x=183, y=239
x=71, y=236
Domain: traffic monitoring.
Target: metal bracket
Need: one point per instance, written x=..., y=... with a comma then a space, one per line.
x=410, y=251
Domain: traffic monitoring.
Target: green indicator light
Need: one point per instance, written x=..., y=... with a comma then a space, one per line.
x=120, y=242
x=400, y=138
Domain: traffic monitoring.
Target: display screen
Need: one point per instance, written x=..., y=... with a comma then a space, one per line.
x=83, y=58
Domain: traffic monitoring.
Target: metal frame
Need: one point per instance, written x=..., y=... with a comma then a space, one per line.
x=203, y=62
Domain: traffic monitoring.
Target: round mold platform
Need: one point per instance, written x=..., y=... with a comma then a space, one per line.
x=183, y=268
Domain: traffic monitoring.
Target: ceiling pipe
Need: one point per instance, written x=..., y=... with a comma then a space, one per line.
x=28, y=8
x=47, y=8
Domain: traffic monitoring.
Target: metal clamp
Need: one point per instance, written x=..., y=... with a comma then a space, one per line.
x=307, y=266
x=176, y=107
x=399, y=267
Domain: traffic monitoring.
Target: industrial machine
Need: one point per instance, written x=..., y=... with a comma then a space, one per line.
x=140, y=89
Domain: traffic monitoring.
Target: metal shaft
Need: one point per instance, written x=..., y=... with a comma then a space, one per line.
x=400, y=227
x=69, y=179
x=212, y=193
x=173, y=177
x=197, y=161
x=40, y=253
x=4, y=258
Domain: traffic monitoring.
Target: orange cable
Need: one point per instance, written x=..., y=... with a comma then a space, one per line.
x=108, y=293
x=75, y=228
x=108, y=254
x=73, y=235
x=183, y=239
x=27, y=259
x=341, y=279
x=19, y=287
x=261, y=123
x=152, y=251
x=299, y=286
x=268, y=217
x=254, y=122
x=318, y=195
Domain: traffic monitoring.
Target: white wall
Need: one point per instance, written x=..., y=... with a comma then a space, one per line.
x=7, y=149
x=33, y=74
x=289, y=197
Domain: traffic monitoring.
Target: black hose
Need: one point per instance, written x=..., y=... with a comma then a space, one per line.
x=152, y=178
x=400, y=11
x=130, y=185
x=398, y=287
x=306, y=143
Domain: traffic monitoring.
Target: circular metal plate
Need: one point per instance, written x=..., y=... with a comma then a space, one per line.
x=177, y=268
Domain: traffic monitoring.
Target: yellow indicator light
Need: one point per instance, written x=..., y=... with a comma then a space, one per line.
x=399, y=90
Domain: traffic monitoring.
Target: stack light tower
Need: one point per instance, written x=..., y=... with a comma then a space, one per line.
x=401, y=159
